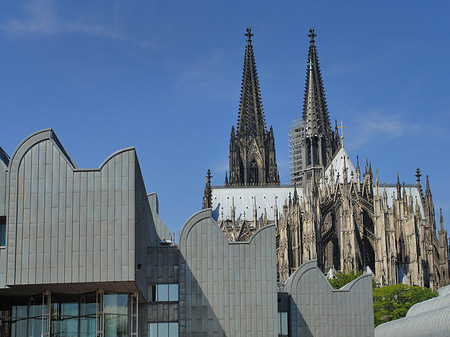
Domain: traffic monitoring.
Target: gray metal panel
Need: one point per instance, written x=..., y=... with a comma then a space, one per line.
x=68, y=225
x=219, y=296
x=318, y=310
x=161, y=229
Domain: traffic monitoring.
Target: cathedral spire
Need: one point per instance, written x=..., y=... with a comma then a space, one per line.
x=251, y=122
x=315, y=110
x=320, y=143
x=252, y=146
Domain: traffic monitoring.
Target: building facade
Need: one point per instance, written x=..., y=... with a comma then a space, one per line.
x=84, y=252
x=335, y=213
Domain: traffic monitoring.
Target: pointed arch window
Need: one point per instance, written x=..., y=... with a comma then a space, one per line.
x=253, y=174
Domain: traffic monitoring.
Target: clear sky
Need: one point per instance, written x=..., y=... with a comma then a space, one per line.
x=165, y=77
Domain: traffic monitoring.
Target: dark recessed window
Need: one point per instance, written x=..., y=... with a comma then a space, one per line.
x=2, y=231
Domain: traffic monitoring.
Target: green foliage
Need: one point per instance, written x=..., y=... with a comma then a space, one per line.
x=393, y=302
x=341, y=279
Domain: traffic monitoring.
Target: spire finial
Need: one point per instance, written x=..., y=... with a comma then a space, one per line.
x=311, y=34
x=418, y=175
x=342, y=127
x=208, y=176
x=249, y=34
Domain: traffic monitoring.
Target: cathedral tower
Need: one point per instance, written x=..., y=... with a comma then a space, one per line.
x=252, y=147
x=319, y=143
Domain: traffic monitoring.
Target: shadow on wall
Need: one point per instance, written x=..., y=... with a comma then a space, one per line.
x=319, y=310
x=229, y=288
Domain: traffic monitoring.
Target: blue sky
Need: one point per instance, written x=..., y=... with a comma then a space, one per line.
x=165, y=77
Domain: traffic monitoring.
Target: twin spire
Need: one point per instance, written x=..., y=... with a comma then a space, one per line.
x=251, y=121
x=315, y=110
x=252, y=146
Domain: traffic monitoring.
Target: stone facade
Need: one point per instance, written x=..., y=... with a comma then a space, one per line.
x=333, y=212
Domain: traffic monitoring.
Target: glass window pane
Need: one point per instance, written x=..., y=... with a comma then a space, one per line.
x=69, y=309
x=153, y=329
x=116, y=304
x=163, y=329
x=173, y=292
x=284, y=323
x=173, y=329
x=88, y=305
x=163, y=292
x=87, y=326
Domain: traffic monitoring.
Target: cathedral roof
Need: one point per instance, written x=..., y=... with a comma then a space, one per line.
x=340, y=161
x=222, y=200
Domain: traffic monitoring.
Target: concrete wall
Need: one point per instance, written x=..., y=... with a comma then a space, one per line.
x=226, y=289
x=70, y=225
x=318, y=310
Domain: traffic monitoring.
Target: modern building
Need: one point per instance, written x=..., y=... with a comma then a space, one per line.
x=332, y=212
x=83, y=252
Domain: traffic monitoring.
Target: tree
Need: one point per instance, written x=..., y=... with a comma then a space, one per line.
x=341, y=279
x=393, y=302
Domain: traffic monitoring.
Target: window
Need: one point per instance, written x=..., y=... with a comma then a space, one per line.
x=2, y=231
x=169, y=329
x=282, y=324
x=163, y=292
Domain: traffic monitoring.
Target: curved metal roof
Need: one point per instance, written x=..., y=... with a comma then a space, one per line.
x=429, y=318
x=429, y=305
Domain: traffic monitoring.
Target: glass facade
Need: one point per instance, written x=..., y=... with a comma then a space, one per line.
x=69, y=316
x=116, y=315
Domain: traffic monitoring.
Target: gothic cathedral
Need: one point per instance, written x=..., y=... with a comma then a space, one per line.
x=331, y=211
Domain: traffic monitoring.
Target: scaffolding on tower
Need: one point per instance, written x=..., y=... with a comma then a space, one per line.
x=296, y=140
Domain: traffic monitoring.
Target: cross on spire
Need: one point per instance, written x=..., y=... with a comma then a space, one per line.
x=249, y=34
x=310, y=64
x=208, y=176
x=342, y=133
x=311, y=34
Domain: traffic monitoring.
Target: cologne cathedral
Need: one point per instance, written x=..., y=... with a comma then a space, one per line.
x=333, y=212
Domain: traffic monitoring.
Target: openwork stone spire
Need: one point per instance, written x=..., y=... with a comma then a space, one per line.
x=251, y=122
x=315, y=110
x=320, y=143
x=252, y=147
